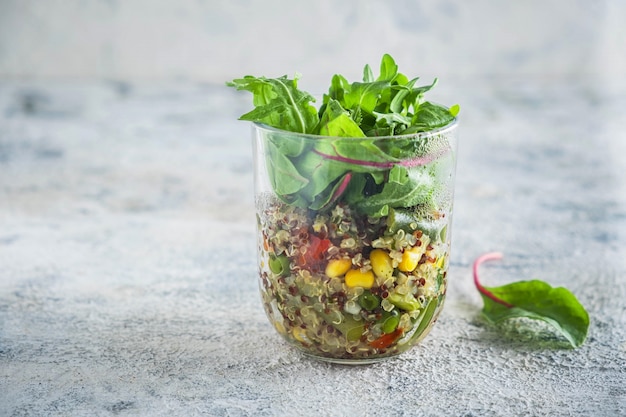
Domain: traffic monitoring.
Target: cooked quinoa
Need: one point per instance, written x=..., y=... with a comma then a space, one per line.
x=342, y=285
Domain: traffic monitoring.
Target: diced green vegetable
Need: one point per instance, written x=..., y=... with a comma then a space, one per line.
x=390, y=321
x=405, y=302
x=426, y=316
x=279, y=265
x=348, y=326
x=368, y=301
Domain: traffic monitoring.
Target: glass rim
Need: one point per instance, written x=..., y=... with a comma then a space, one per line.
x=441, y=130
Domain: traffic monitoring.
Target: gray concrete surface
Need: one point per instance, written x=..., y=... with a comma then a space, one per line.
x=127, y=264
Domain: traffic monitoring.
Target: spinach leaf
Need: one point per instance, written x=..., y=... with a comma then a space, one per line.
x=431, y=116
x=388, y=68
x=534, y=300
x=337, y=122
x=368, y=75
x=364, y=96
x=338, y=87
x=288, y=145
x=283, y=175
x=358, y=155
x=405, y=187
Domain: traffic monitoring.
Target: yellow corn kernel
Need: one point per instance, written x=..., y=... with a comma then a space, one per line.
x=356, y=278
x=300, y=335
x=410, y=259
x=440, y=262
x=381, y=263
x=338, y=267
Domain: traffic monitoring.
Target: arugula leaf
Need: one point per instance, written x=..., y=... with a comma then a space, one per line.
x=279, y=103
x=391, y=119
x=401, y=101
x=416, y=98
x=534, y=300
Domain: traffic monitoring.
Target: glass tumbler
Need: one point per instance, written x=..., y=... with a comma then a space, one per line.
x=353, y=238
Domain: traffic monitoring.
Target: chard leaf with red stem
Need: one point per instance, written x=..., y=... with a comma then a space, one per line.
x=534, y=299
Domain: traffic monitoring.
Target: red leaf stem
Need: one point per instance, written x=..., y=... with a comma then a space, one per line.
x=340, y=190
x=408, y=163
x=491, y=256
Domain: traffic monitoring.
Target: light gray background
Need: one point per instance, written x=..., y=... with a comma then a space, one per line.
x=213, y=40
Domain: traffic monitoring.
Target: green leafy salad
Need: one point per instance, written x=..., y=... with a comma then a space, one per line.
x=354, y=220
x=389, y=105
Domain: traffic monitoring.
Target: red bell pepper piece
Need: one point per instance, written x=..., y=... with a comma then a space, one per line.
x=315, y=252
x=386, y=340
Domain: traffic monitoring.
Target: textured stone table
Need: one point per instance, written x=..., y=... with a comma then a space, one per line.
x=127, y=264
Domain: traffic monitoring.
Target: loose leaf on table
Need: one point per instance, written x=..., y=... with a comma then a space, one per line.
x=534, y=300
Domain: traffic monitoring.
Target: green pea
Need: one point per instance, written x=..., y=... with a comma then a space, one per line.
x=368, y=301
x=279, y=265
x=390, y=323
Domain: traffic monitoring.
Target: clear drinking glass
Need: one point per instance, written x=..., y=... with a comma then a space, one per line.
x=353, y=238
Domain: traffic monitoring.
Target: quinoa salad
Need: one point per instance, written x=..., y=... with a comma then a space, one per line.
x=345, y=286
